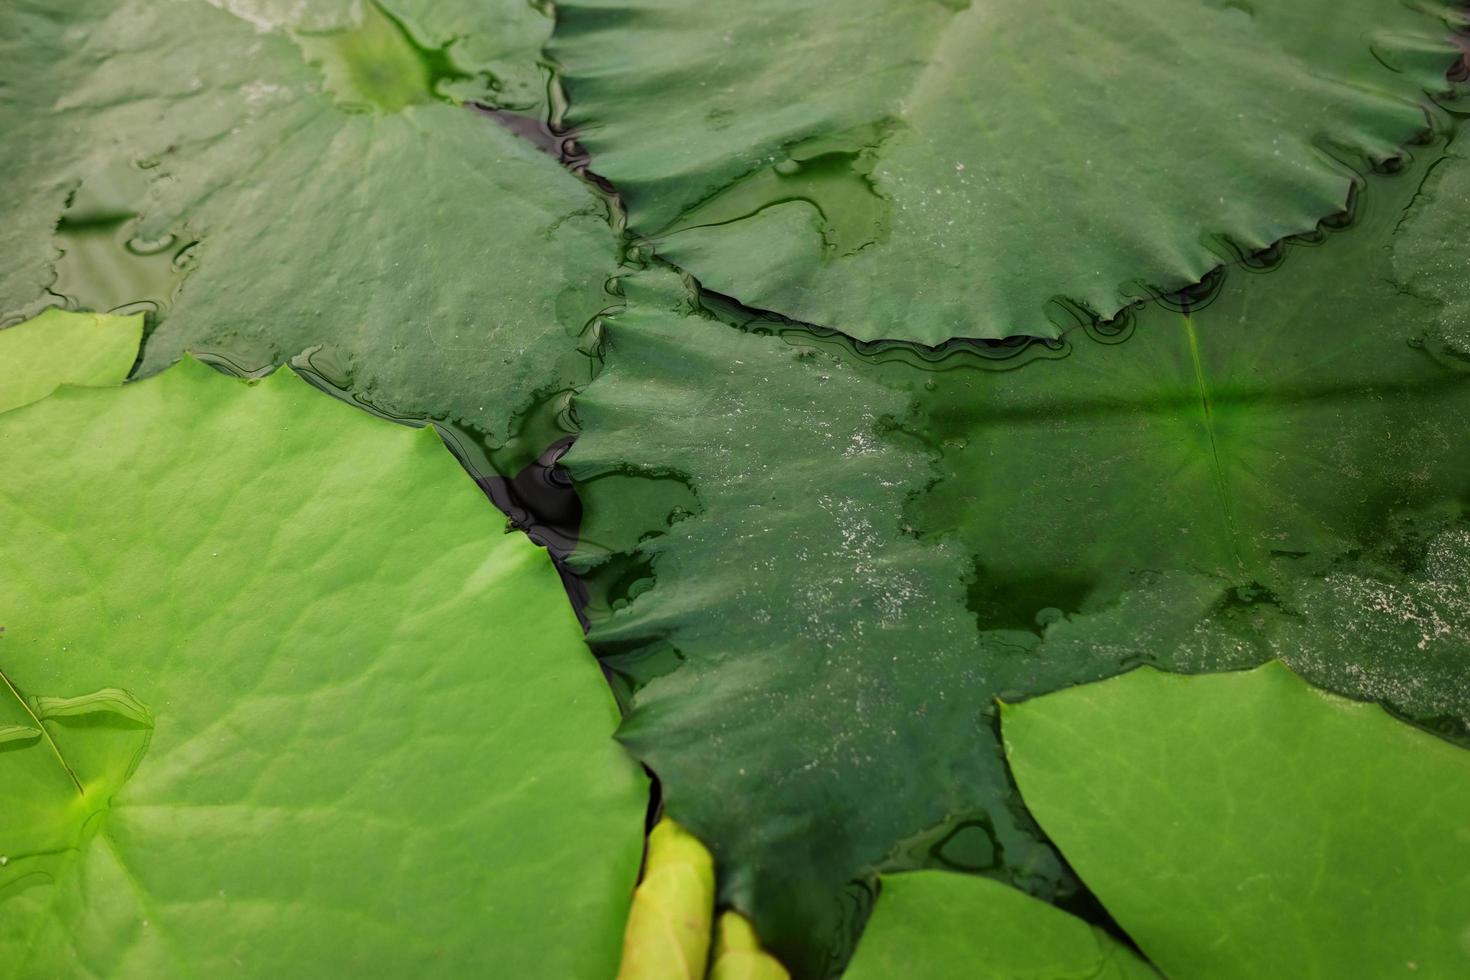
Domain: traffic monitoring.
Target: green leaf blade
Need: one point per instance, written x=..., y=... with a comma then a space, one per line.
x=379, y=744
x=57, y=348
x=980, y=167
x=1272, y=475
x=821, y=648
x=1244, y=824
x=314, y=196
x=946, y=926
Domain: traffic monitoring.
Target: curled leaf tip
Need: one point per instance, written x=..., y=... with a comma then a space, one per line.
x=738, y=954
x=668, y=934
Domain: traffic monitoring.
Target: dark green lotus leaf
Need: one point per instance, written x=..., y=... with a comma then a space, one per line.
x=1426, y=259
x=833, y=694
x=1184, y=489
x=1298, y=442
x=278, y=697
x=1245, y=825
x=924, y=170
x=1392, y=626
x=317, y=169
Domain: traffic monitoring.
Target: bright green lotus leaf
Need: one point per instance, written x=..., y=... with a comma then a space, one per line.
x=1247, y=825
x=929, y=169
x=316, y=168
x=281, y=698
x=944, y=926
x=830, y=693
x=57, y=348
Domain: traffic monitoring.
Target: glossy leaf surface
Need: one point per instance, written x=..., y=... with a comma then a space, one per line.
x=1276, y=473
x=320, y=185
x=929, y=169
x=821, y=658
x=811, y=621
